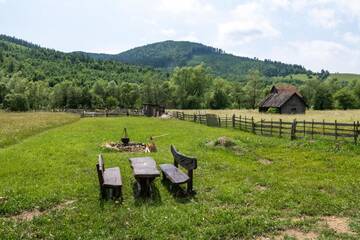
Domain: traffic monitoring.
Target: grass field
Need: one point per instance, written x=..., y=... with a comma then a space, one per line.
x=263, y=187
x=331, y=115
x=16, y=126
x=303, y=77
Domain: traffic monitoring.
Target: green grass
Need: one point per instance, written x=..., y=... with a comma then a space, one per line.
x=312, y=179
x=345, y=76
x=16, y=126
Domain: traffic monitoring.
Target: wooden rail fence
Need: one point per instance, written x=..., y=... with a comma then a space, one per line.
x=294, y=130
x=122, y=112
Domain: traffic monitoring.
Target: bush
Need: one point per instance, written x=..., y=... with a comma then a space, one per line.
x=273, y=110
x=16, y=102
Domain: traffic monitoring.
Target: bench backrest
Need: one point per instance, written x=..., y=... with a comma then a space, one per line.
x=100, y=167
x=186, y=162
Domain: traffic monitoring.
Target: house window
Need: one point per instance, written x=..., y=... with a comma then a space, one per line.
x=293, y=110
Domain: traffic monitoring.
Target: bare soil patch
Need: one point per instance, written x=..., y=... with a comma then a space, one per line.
x=260, y=188
x=30, y=215
x=338, y=224
x=295, y=233
x=265, y=161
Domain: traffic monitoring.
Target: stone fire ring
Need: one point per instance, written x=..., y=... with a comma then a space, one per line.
x=130, y=147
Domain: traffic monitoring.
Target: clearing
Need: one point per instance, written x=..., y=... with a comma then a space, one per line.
x=239, y=196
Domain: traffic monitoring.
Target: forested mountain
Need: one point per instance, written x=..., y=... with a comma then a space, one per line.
x=170, y=54
x=34, y=78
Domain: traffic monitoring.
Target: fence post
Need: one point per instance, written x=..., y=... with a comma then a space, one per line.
x=312, y=129
x=194, y=117
x=280, y=128
x=304, y=127
x=323, y=127
x=233, y=121
x=219, y=120
x=226, y=121
x=252, y=125
x=261, y=126
x=240, y=122
x=271, y=127
x=293, y=130
x=355, y=133
x=336, y=130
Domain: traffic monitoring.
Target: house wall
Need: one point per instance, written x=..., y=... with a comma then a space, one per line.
x=293, y=106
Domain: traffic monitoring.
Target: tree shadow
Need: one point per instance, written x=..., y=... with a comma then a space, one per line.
x=154, y=198
x=179, y=194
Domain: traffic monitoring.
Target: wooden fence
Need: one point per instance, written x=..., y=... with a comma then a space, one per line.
x=117, y=113
x=293, y=130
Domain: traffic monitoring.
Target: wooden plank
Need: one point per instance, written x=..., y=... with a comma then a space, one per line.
x=174, y=174
x=112, y=177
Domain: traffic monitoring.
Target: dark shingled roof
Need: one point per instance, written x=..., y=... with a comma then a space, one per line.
x=280, y=95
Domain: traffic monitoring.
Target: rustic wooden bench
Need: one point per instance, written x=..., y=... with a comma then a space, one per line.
x=109, y=180
x=175, y=175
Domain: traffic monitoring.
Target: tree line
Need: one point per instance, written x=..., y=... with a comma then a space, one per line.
x=35, y=78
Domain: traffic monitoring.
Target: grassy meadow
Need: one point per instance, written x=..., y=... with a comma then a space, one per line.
x=261, y=188
x=16, y=126
x=329, y=116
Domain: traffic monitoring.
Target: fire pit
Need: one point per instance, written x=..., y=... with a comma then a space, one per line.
x=124, y=145
x=128, y=147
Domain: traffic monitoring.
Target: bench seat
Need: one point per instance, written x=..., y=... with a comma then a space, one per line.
x=174, y=174
x=112, y=177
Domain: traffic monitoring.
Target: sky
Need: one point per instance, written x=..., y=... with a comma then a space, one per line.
x=318, y=34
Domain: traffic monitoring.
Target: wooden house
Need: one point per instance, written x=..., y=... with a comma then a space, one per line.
x=285, y=99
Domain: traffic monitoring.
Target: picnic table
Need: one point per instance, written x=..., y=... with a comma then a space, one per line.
x=144, y=171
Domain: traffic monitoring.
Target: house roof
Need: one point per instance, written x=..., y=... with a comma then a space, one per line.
x=280, y=95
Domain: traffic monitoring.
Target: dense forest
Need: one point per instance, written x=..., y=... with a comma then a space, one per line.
x=168, y=55
x=36, y=78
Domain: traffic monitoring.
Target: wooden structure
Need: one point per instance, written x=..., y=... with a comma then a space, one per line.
x=292, y=129
x=153, y=110
x=286, y=99
x=109, y=180
x=145, y=172
x=175, y=175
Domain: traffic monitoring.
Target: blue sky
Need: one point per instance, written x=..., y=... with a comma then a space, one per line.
x=314, y=33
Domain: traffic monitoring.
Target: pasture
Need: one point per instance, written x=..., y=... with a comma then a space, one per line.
x=16, y=126
x=330, y=115
x=259, y=188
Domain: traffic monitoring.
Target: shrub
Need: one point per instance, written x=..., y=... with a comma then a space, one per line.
x=273, y=110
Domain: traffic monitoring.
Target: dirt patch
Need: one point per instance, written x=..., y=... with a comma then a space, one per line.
x=338, y=224
x=222, y=142
x=3, y=200
x=30, y=215
x=297, y=234
x=261, y=188
x=265, y=161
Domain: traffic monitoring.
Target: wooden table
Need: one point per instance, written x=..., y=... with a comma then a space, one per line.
x=144, y=171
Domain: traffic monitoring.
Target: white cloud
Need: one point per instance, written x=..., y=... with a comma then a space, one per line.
x=184, y=6
x=169, y=32
x=319, y=54
x=326, y=18
x=351, y=38
x=248, y=22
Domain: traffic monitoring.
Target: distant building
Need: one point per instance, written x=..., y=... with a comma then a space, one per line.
x=285, y=99
x=153, y=110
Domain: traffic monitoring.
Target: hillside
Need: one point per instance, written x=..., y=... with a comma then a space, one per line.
x=33, y=62
x=170, y=54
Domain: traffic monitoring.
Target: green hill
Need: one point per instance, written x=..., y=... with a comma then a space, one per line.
x=30, y=61
x=170, y=54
